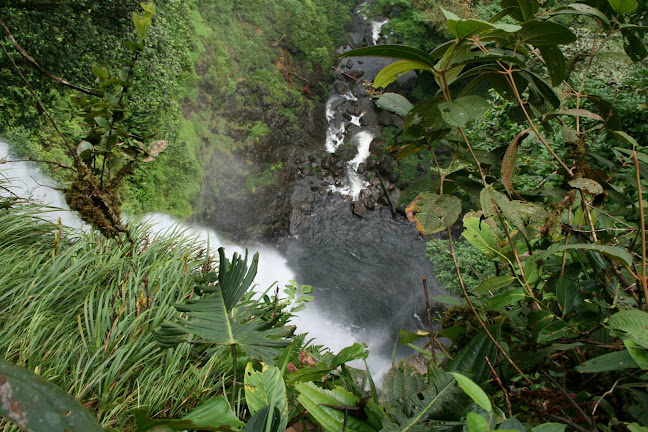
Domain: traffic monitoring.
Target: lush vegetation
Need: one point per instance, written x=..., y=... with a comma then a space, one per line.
x=551, y=186
x=529, y=135
x=203, y=66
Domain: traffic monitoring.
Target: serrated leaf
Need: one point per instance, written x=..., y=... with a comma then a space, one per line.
x=402, y=380
x=470, y=361
x=613, y=361
x=553, y=331
x=633, y=46
x=433, y=213
x=479, y=234
x=463, y=110
x=395, y=103
x=588, y=186
x=630, y=324
x=509, y=160
x=473, y=391
x=613, y=252
x=555, y=63
x=504, y=299
x=102, y=121
x=494, y=283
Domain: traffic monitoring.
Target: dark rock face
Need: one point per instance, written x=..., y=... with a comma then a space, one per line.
x=364, y=260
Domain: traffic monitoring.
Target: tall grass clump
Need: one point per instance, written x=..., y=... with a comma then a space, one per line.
x=79, y=310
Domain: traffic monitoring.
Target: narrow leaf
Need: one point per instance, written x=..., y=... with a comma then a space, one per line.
x=473, y=391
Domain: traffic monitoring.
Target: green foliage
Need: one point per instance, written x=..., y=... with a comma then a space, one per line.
x=474, y=266
x=90, y=329
x=552, y=188
x=36, y=405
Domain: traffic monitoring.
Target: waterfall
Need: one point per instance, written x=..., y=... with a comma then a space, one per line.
x=26, y=181
x=355, y=182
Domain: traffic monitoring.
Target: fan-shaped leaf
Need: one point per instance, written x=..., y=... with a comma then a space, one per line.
x=266, y=388
x=630, y=324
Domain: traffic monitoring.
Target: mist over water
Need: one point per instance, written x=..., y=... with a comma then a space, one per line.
x=26, y=181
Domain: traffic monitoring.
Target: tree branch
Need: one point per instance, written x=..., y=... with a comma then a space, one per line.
x=45, y=72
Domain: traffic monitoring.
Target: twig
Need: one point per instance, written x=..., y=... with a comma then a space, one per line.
x=345, y=74
x=499, y=382
x=568, y=422
x=609, y=392
x=569, y=398
x=70, y=150
x=479, y=319
x=33, y=62
x=429, y=314
x=58, y=164
x=642, y=221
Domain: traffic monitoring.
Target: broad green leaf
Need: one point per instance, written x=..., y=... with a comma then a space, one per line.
x=613, y=361
x=476, y=423
x=553, y=331
x=479, y=234
x=586, y=185
x=433, y=213
x=395, y=103
x=35, y=404
x=266, y=388
x=315, y=399
x=504, y=299
x=636, y=427
x=494, y=283
x=402, y=380
x=406, y=337
x=471, y=359
x=566, y=290
x=623, y=6
x=633, y=46
x=521, y=10
x=543, y=33
x=608, y=112
x=259, y=421
x=353, y=352
x=625, y=138
x=102, y=121
x=542, y=88
x=550, y=427
x=399, y=52
x=446, y=299
x=512, y=424
x=586, y=10
x=614, y=252
x=473, y=391
x=210, y=318
x=215, y=413
x=638, y=353
x=463, y=110
x=555, y=63
x=392, y=72
x=630, y=324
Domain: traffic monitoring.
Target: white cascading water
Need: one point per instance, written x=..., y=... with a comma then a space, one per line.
x=376, y=27
x=26, y=181
x=355, y=181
